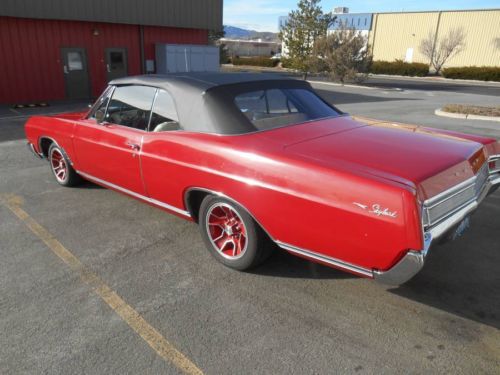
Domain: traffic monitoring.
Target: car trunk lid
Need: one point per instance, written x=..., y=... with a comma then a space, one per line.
x=407, y=154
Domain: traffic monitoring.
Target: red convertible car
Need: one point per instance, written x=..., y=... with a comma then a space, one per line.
x=259, y=161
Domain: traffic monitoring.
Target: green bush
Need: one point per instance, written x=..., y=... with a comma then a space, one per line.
x=286, y=62
x=481, y=73
x=256, y=61
x=399, y=67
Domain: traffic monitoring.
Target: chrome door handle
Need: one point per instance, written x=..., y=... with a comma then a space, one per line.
x=133, y=146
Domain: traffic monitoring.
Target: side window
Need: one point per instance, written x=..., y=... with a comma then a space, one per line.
x=101, y=103
x=131, y=106
x=164, y=116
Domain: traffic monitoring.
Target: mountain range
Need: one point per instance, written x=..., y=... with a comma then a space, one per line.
x=233, y=32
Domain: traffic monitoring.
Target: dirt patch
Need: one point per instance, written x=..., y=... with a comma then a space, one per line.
x=472, y=110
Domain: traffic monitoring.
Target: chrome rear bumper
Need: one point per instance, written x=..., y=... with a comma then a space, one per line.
x=414, y=260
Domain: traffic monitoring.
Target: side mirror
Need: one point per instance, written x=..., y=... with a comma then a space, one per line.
x=99, y=116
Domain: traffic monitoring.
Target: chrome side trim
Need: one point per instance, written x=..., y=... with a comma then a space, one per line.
x=136, y=195
x=326, y=259
x=42, y=137
x=32, y=148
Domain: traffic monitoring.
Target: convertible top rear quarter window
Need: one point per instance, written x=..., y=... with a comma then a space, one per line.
x=273, y=108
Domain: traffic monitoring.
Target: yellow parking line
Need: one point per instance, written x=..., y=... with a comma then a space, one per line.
x=135, y=321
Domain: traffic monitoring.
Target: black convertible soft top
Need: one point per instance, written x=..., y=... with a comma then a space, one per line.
x=204, y=101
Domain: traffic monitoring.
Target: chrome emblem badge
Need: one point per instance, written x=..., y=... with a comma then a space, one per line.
x=364, y=207
x=377, y=210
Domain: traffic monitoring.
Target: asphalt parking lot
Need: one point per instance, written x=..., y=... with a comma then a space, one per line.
x=95, y=282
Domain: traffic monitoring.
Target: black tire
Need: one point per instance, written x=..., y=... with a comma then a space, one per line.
x=61, y=167
x=258, y=246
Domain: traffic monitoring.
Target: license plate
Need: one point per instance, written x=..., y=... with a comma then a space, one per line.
x=461, y=228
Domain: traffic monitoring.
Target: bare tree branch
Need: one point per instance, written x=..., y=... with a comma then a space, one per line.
x=440, y=51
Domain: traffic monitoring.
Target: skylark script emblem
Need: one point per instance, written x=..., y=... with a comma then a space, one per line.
x=377, y=210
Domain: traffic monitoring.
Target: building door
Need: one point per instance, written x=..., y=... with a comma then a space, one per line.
x=116, y=63
x=76, y=75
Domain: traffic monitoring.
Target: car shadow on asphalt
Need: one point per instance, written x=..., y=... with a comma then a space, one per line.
x=283, y=264
x=461, y=276
x=86, y=184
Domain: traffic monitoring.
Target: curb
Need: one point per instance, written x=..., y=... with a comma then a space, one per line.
x=439, y=79
x=439, y=112
x=343, y=85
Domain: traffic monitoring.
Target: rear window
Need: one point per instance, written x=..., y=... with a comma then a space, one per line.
x=272, y=108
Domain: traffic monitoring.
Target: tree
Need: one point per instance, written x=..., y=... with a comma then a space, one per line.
x=440, y=51
x=303, y=28
x=214, y=39
x=344, y=53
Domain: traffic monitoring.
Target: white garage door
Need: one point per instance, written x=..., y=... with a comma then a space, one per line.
x=175, y=58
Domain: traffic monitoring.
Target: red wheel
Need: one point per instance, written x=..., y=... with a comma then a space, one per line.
x=226, y=230
x=63, y=171
x=58, y=164
x=232, y=235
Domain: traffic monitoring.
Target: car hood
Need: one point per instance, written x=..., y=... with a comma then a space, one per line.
x=418, y=157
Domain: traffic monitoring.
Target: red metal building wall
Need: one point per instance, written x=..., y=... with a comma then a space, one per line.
x=30, y=55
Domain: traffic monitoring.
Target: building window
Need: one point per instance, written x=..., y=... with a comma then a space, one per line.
x=75, y=61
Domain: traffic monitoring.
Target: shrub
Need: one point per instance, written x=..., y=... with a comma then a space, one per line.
x=343, y=54
x=482, y=73
x=256, y=61
x=399, y=67
x=286, y=63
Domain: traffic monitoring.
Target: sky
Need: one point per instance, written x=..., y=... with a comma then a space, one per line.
x=262, y=15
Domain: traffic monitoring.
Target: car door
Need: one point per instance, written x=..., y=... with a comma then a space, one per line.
x=163, y=176
x=108, y=143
